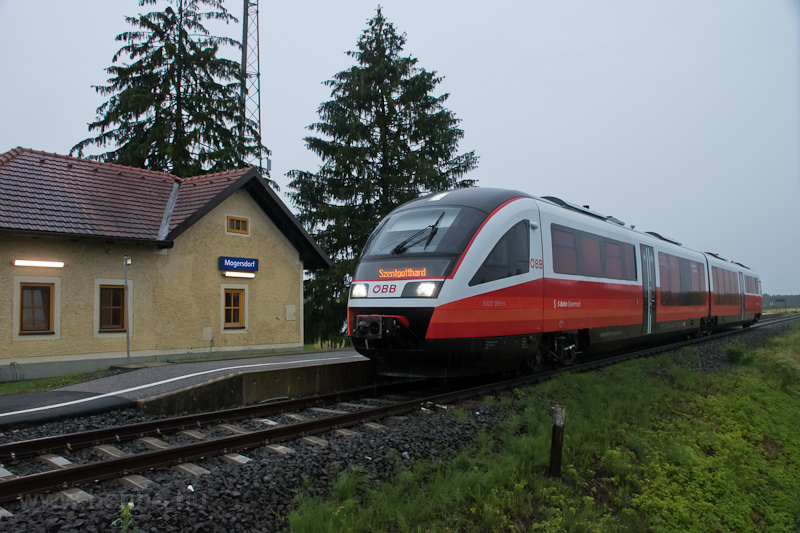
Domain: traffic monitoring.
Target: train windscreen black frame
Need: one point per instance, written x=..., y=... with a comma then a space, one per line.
x=429, y=231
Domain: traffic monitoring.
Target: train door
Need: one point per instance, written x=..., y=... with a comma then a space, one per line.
x=741, y=292
x=648, y=289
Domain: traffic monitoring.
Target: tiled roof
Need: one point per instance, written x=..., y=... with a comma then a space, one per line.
x=51, y=193
x=197, y=192
x=60, y=195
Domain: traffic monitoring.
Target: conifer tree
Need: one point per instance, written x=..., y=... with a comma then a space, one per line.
x=175, y=106
x=386, y=140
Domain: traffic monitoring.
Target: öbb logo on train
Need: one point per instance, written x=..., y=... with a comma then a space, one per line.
x=384, y=288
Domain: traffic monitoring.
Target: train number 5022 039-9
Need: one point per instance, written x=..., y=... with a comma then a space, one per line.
x=494, y=303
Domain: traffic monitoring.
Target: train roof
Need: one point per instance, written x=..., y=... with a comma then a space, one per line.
x=489, y=199
x=485, y=199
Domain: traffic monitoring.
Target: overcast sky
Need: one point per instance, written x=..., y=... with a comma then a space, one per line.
x=678, y=116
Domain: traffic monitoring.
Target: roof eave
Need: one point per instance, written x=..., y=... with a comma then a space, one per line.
x=311, y=254
x=166, y=243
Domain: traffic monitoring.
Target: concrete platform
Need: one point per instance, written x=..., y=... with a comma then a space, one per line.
x=178, y=387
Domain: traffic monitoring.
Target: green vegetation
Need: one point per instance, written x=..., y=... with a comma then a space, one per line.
x=174, y=104
x=125, y=520
x=385, y=138
x=45, y=384
x=782, y=311
x=650, y=445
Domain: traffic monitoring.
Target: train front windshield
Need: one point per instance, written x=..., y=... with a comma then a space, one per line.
x=429, y=238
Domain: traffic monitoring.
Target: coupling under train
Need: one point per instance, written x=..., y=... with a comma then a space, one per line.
x=479, y=280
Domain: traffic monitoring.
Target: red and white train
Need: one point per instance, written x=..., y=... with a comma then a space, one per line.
x=486, y=280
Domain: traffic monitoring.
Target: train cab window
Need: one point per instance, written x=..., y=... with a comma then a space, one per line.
x=424, y=231
x=509, y=257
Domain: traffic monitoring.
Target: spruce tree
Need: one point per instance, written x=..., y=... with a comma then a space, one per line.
x=386, y=140
x=175, y=106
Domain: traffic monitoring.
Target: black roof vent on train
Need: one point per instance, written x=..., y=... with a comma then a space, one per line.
x=741, y=265
x=659, y=236
x=582, y=209
x=718, y=257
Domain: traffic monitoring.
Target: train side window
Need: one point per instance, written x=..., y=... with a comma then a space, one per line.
x=682, y=281
x=698, y=283
x=509, y=257
x=590, y=264
x=630, y=262
x=751, y=285
x=565, y=255
x=614, y=260
x=726, y=286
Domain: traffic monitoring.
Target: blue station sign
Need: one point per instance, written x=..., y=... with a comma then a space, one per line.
x=240, y=264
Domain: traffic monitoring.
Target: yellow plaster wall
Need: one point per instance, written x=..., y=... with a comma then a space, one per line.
x=175, y=295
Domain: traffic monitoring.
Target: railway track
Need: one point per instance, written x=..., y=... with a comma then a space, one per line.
x=331, y=412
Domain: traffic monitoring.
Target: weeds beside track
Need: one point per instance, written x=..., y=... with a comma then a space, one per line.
x=650, y=445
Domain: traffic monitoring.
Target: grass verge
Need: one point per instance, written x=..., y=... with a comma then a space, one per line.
x=46, y=384
x=650, y=445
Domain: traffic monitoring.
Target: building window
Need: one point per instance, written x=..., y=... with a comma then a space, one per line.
x=238, y=225
x=234, y=308
x=112, y=308
x=36, y=308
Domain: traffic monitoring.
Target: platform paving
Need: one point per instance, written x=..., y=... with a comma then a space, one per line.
x=128, y=386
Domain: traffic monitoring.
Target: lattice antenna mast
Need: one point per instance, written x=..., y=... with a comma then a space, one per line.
x=251, y=80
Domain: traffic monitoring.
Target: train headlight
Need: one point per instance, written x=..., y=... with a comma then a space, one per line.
x=422, y=289
x=359, y=290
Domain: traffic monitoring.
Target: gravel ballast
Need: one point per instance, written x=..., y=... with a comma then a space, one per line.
x=258, y=495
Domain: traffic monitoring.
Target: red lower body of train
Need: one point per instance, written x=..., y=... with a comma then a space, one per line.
x=480, y=281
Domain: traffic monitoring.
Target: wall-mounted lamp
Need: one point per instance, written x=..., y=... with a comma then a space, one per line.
x=26, y=263
x=233, y=274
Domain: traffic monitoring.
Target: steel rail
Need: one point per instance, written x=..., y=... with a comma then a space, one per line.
x=111, y=468
x=74, y=441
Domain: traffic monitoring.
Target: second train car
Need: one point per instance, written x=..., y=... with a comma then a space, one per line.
x=481, y=280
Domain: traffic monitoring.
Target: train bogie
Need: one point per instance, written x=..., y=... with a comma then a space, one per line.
x=484, y=280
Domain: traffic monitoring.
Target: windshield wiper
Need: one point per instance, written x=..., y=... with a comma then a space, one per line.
x=434, y=229
x=401, y=247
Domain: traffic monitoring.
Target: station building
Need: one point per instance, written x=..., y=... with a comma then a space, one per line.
x=213, y=263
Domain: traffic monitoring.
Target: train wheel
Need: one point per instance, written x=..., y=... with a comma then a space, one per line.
x=564, y=349
x=706, y=327
x=537, y=363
